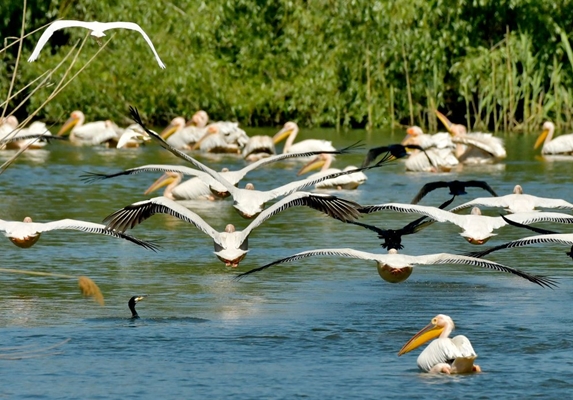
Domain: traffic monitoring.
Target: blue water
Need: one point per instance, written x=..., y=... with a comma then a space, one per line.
x=322, y=327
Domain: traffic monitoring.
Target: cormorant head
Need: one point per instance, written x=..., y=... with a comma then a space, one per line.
x=132, y=302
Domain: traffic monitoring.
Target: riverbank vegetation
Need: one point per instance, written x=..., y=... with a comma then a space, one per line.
x=493, y=64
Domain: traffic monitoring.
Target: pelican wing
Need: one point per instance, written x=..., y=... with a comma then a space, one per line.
x=533, y=217
x=92, y=176
x=46, y=137
x=484, y=141
x=135, y=27
x=134, y=214
x=432, y=212
x=351, y=253
x=214, y=174
x=531, y=228
x=54, y=26
x=447, y=351
x=427, y=188
x=561, y=238
x=89, y=227
x=238, y=175
x=332, y=206
x=501, y=201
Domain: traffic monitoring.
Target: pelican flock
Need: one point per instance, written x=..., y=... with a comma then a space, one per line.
x=442, y=152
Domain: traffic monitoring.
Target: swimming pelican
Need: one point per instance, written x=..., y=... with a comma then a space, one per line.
x=439, y=155
x=191, y=189
x=222, y=137
x=457, y=188
x=516, y=202
x=445, y=355
x=183, y=135
x=26, y=234
x=131, y=304
x=231, y=246
x=90, y=134
x=258, y=147
x=346, y=182
x=474, y=147
x=290, y=130
x=30, y=137
x=395, y=268
x=560, y=145
x=477, y=228
x=97, y=30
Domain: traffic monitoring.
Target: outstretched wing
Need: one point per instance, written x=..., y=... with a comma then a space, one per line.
x=54, y=26
x=135, y=27
x=89, y=177
x=91, y=227
x=427, y=188
x=562, y=238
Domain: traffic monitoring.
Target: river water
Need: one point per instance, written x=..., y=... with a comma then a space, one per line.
x=322, y=327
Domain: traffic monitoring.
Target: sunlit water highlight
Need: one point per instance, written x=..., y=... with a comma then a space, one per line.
x=321, y=327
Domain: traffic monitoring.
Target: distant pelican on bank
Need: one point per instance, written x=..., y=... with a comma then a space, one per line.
x=97, y=30
x=443, y=355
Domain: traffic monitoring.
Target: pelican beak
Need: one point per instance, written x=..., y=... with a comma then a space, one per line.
x=316, y=163
x=445, y=121
x=168, y=131
x=211, y=130
x=68, y=125
x=281, y=135
x=541, y=138
x=431, y=331
x=164, y=180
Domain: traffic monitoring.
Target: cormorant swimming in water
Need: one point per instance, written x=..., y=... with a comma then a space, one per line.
x=132, y=302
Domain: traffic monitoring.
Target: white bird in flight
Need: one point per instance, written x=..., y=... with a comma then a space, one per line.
x=97, y=29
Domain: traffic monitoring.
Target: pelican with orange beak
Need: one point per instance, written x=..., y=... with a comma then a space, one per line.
x=443, y=355
x=560, y=145
x=346, y=182
x=90, y=134
x=290, y=131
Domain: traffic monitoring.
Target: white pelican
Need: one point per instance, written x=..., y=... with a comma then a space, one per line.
x=132, y=136
x=26, y=234
x=445, y=355
x=395, y=268
x=560, y=145
x=477, y=228
x=561, y=238
x=97, y=30
x=323, y=161
x=191, y=189
x=14, y=138
x=457, y=188
x=92, y=133
x=516, y=202
x=231, y=246
x=258, y=147
x=222, y=137
x=439, y=155
x=290, y=130
x=183, y=135
x=474, y=147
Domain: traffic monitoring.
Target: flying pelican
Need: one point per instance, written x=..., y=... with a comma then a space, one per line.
x=26, y=234
x=217, y=188
x=90, y=134
x=477, y=228
x=231, y=246
x=395, y=268
x=97, y=29
x=561, y=238
x=456, y=187
x=439, y=155
x=131, y=304
x=474, y=147
x=560, y=145
x=192, y=189
x=323, y=161
x=222, y=137
x=14, y=138
x=516, y=202
x=445, y=355
x=290, y=130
